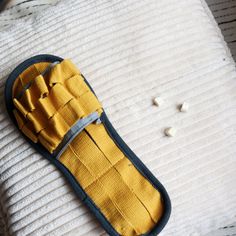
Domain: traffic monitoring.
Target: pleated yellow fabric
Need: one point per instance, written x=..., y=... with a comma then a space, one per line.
x=45, y=112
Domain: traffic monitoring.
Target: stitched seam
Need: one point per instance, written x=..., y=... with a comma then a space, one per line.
x=102, y=174
x=131, y=190
x=117, y=207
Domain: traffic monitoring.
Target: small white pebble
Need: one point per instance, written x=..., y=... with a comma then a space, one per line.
x=158, y=101
x=170, y=132
x=184, y=107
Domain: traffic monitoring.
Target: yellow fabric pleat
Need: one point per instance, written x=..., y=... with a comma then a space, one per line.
x=30, y=99
x=46, y=107
x=76, y=86
x=19, y=119
x=25, y=77
x=37, y=90
x=62, y=72
x=46, y=112
x=59, y=124
x=89, y=103
x=38, y=120
x=50, y=137
x=39, y=87
x=27, y=131
x=20, y=107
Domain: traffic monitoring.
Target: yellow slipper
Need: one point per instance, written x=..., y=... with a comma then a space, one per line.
x=60, y=116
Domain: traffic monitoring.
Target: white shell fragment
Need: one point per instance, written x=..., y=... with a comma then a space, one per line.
x=158, y=101
x=184, y=107
x=170, y=132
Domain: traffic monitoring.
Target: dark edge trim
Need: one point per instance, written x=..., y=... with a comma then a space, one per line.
x=114, y=135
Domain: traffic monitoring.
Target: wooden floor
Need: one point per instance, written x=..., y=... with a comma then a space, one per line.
x=224, y=12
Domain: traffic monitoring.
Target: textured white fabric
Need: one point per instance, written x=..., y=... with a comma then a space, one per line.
x=131, y=51
x=223, y=11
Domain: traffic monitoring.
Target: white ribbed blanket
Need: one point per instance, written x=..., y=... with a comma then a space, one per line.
x=131, y=51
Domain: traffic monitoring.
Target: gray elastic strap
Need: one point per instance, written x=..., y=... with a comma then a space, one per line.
x=74, y=131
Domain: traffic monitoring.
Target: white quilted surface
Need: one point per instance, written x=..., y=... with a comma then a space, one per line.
x=131, y=51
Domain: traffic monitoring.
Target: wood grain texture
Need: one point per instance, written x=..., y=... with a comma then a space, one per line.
x=224, y=12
